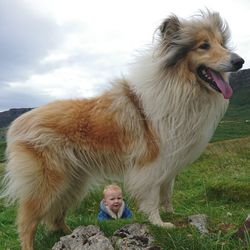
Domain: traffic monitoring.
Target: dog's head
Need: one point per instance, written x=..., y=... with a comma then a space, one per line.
x=201, y=44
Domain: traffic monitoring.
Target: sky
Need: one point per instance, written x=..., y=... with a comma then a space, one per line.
x=59, y=49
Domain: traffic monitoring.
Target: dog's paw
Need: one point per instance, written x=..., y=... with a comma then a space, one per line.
x=155, y=219
x=167, y=225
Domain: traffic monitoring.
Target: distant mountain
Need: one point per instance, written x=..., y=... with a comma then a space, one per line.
x=6, y=117
x=240, y=82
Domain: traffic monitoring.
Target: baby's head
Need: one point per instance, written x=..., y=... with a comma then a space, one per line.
x=112, y=197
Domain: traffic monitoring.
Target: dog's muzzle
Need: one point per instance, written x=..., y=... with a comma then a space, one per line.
x=236, y=62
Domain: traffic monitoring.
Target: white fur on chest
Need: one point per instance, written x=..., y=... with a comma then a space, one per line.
x=183, y=139
x=183, y=114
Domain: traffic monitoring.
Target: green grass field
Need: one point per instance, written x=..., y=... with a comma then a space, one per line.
x=235, y=124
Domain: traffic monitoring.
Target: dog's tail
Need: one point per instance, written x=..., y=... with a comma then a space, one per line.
x=21, y=175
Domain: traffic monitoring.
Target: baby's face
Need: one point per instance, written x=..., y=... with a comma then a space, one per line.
x=113, y=200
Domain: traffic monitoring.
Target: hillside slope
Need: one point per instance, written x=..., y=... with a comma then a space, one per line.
x=236, y=122
x=6, y=117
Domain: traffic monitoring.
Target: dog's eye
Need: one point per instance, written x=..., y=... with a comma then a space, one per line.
x=205, y=46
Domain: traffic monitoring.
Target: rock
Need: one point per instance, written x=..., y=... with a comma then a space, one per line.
x=199, y=221
x=130, y=237
x=244, y=229
x=84, y=238
x=133, y=237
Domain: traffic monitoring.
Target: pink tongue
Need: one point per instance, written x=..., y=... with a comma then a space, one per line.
x=224, y=87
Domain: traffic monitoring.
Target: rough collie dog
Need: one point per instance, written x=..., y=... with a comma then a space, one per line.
x=147, y=127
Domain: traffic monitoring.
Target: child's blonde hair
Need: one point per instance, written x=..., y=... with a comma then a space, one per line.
x=112, y=187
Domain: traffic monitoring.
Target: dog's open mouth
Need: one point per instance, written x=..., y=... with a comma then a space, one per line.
x=215, y=80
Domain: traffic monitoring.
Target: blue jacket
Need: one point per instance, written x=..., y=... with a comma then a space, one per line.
x=106, y=214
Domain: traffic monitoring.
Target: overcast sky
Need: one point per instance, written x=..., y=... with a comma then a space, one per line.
x=56, y=49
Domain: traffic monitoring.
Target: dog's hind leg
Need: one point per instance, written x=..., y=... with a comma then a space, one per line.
x=35, y=186
x=166, y=196
x=73, y=193
x=29, y=215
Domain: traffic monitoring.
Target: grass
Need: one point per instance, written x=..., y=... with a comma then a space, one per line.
x=218, y=184
x=2, y=149
x=235, y=124
x=2, y=133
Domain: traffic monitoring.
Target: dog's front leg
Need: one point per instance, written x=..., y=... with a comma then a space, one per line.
x=150, y=205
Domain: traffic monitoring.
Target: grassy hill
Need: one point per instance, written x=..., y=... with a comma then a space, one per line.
x=236, y=122
x=2, y=144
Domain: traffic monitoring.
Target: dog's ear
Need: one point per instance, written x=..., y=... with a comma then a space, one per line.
x=170, y=26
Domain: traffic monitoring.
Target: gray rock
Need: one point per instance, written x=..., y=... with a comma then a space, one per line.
x=130, y=237
x=133, y=237
x=84, y=238
x=199, y=221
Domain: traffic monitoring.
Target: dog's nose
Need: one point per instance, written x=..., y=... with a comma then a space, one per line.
x=236, y=61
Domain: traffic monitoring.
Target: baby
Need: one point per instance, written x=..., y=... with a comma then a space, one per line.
x=112, y=206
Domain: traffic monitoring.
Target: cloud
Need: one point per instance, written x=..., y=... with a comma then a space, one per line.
x=25, y=38
x=21, y=98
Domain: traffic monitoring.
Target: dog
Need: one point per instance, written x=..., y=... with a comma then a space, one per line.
x=148, y=126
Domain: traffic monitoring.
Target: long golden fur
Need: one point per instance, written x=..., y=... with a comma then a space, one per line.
x=147, y=127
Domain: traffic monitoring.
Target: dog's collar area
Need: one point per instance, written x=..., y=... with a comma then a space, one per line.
x=205, y=76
